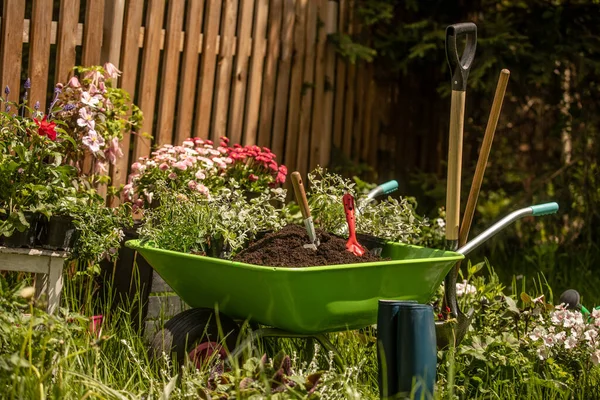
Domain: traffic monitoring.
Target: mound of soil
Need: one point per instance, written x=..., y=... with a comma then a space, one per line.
x=285, y=248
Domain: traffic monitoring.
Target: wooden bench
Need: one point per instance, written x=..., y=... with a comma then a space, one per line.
x=47, y=265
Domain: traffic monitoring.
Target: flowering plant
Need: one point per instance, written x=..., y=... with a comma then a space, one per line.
x=32, y=169
x=95, y=114
x=565, y=333
x=219, y=225
x=197, y=166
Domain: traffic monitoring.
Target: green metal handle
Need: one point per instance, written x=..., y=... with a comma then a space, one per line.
x=544, y=209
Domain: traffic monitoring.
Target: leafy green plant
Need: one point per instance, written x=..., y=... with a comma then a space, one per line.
x=391, y=218
x=225, y=221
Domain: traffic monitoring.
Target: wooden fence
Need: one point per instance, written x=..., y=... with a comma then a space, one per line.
x=257, y=71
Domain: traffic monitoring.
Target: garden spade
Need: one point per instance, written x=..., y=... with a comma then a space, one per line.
x=303, y=203
x=352, y=244
x=460, y=66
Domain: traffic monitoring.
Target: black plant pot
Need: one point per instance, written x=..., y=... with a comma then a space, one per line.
x=130, y=278
x=59, y=233
x=27, y=238
x=374, y=244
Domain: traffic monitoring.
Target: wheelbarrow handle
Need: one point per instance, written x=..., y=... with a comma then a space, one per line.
x=536, y=210
x=460, y=65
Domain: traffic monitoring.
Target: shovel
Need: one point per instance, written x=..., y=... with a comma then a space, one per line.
x=460, y=66
x=352, y=244
x=303, y=203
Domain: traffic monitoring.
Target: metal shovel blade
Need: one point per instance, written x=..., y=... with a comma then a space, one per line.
x=312, y=234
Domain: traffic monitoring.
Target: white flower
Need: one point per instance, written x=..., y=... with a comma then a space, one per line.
x=93, y=141
x=537, y=333
x=543, y=353
x=571, y=342
x=549, y=340
x=590, y=335
x=441, y=223
x=596, y=357
x=465, y=288
x=200, y=175
x=560, y=336
x=88, y=99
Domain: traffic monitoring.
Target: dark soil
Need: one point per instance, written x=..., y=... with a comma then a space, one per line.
x=285, y=248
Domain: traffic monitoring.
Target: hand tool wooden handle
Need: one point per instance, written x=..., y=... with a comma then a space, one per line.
x=300, y=194
x=483, y=156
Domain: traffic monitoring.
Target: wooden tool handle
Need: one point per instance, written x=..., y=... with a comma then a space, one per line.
x=300, y=194
x=483, y=156
x=457, y=116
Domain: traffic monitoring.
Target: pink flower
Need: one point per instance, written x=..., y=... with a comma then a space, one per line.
x=202, y=189
x=100, y=167
x=74, y=82
x=173, y=176
x=93, y=141
x=163, y=167
x=181, y=165
x=192, y=185
x=252, y=178
x=136, y=166
x=200, y=175
x=113, y=151
x=128, y=192
x=111, y=71
x=86, y=118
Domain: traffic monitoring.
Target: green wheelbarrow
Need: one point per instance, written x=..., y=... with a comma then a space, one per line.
x=296, y=302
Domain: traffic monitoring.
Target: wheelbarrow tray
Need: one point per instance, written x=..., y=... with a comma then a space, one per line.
x=303, y=300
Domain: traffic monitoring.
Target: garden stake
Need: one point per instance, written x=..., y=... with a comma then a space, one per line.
x=459, y=67
x=352, y=244
x=303, y=203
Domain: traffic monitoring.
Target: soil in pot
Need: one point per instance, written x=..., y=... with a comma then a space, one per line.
x=285, y=248
x=59, y=233
x=27, y=238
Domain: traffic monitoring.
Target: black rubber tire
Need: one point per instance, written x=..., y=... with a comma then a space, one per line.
x=187, y=329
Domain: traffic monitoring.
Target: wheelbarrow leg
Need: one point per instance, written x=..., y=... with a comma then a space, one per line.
x=258, y=334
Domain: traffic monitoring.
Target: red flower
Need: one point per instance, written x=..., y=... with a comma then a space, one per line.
x=252, y=178
x=46, y=128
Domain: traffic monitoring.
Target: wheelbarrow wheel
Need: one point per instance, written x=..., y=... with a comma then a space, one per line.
x=195, y=332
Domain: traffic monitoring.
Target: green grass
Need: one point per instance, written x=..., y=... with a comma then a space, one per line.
x=56, y=357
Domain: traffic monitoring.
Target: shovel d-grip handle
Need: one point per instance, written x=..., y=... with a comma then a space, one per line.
x=460, y=65
x=450, y=281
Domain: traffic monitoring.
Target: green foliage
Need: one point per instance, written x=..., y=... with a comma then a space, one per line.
x=389, y=218
x=220, y=225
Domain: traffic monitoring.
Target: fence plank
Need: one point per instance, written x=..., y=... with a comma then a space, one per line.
x=358, y=111
x=368, y=138
x=291, y=140
x=223, y=84
x=148, y=81
x=270, y=74
x=350, y=90
x=207, y=67
x=189, y=71
x=256, y=71
x=240, y=76
x=307, y=90
x=112, y=32
x=170, y=73
x=39, y=50
x=328, y=101
x=68, y=18
x=317, y=130
x=283, y=79
x=129, y=61
x=92, y=32
x=12, y=46
x=340, y=82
